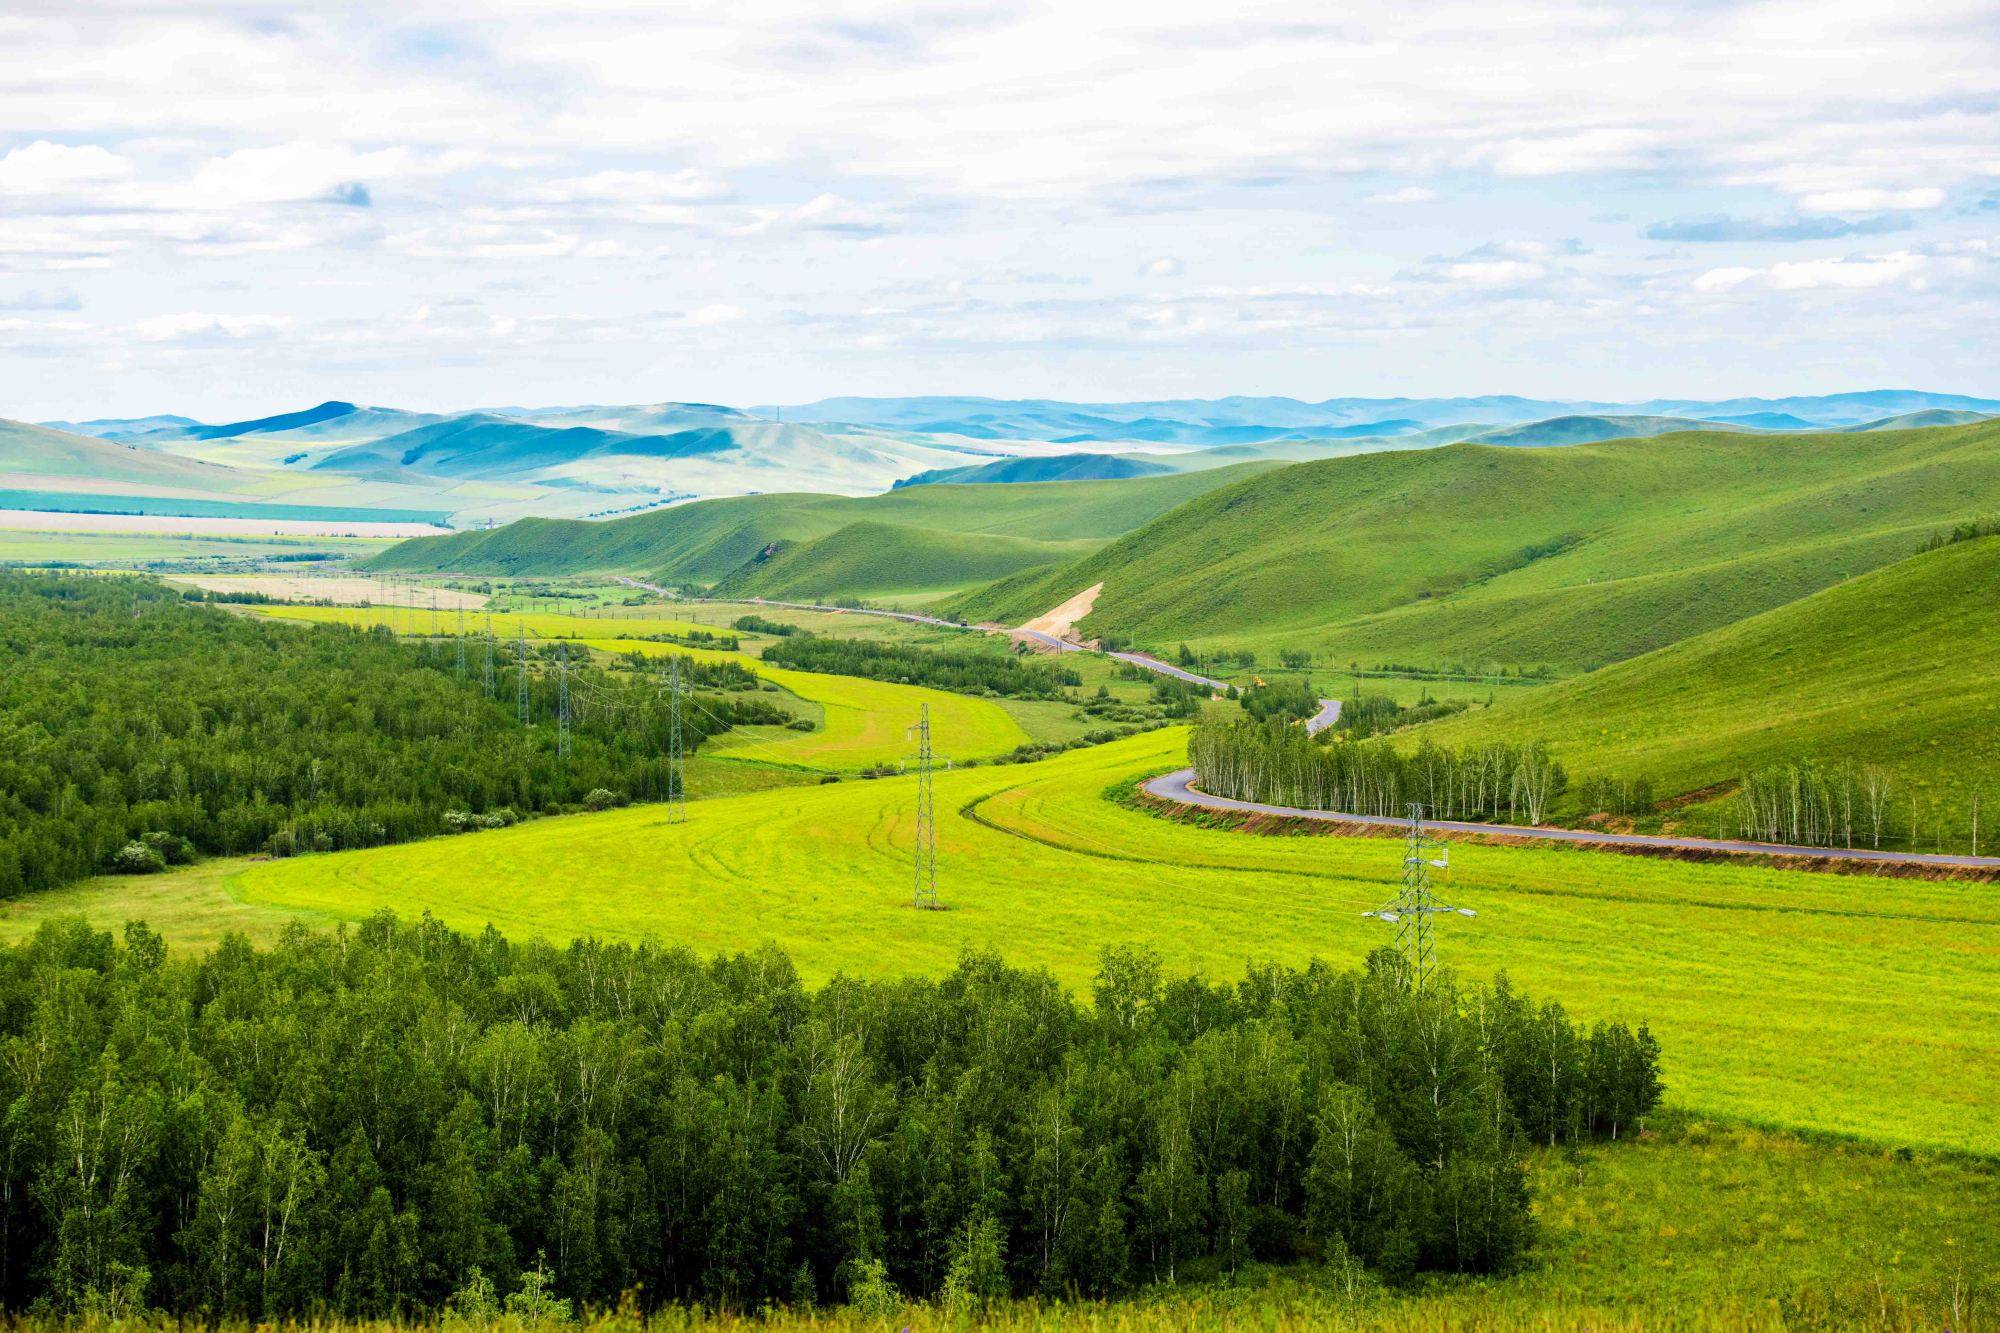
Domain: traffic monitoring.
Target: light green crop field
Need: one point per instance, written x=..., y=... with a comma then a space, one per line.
x=863, y=723
x=1895, y=668
x=535, y=624
x=1854, y=1005
x=132, y=549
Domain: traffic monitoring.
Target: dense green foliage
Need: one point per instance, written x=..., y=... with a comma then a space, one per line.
x=1478, y=554
x=1372, y=714
x=365, y=1123
x=1893, y=670
x=1279, y=764
x=1289, y=699
x=961, y=670
x=756, y=624
x=127, y=710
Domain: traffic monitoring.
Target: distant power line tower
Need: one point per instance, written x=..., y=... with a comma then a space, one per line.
x=430, y=638
x=562, y=701
x=1415, y=907
x=521, y=673
x=486, y=664
x=926, y=894
x=676, y=756
x=461, y=640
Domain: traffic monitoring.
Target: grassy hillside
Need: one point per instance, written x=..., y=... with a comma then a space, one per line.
x=1057, y=467
x=1729, y=964
x=878, y=559
x=1895, y=668
x=36, y=451
x=1572, y=557
x=707, y=541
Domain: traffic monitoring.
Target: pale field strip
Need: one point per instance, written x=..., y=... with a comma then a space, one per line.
x=341, y=590
x=36, y=520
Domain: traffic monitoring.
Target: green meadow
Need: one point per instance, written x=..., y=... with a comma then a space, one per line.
x=1846, y=1005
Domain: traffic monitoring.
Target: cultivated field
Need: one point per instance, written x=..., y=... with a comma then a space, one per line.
x=1849, y=1005
x=335, y=588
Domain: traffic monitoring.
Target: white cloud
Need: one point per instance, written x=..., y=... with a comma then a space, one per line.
x=631, y=187
x=1166, y=266
x=1409, y=194
x=1871, y=200
x=43, y=167
x=198, y=327
x=1855, y=272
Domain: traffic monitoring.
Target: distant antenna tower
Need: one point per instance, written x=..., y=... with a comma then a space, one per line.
x=676, y=756
x=1415, y=906
x=926, y=894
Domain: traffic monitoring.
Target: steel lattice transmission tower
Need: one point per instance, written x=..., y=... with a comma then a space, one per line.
x=676, y=756
x=521, y=673
x=926, y=894
x=562, y=700
x=461, y=640
x=486, y=664
x=430, y=637
x=1413, y=912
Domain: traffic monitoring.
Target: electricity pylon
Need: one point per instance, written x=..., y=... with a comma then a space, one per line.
x=486, y=663
x=676, y=783
x=1415, y=906
x=926, y=894
x=461, y=640
x=562, y=700
x=521, y=673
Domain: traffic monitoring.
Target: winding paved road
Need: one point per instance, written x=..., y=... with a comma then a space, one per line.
x=1179, y=788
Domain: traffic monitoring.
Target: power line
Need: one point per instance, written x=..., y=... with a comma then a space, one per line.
x=1415, y=906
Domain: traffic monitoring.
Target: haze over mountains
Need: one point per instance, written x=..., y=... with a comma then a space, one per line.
x=479, y=467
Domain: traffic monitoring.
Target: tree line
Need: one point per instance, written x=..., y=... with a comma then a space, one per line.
x=1821, y=803
x=371, y=1122
x=1279, y=764
x=126, y=710
x=940, y=668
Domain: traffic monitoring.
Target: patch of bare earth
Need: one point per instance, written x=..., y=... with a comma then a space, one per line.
x=1061, y=620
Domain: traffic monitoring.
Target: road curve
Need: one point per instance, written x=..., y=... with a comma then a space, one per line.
x=1179, y=788
x=1047, y=640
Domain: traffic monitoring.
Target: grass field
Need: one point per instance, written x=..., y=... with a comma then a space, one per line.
x=863, y=723
x=1851, y=1005
x=1573, y=557
x=1894, y=668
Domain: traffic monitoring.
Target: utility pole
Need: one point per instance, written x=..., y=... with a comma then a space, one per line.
x=676, y=758
x=925, y=897
x=1415, y=906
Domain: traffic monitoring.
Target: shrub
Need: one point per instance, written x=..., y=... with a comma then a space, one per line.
x=136, y=858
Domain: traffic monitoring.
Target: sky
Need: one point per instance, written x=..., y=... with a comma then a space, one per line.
x=225, y=209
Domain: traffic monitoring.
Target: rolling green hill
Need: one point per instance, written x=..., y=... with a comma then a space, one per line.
x=36, y=451
x=1571, y=557
x=874, y=559
x=1057, y=467
x=706, y=542
x=1895, y=668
